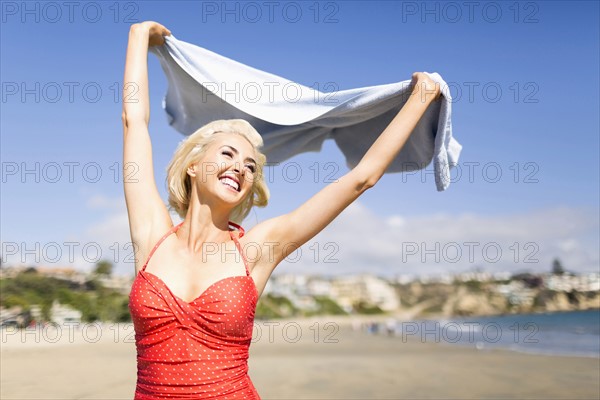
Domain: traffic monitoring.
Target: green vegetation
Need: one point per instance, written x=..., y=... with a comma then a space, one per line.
x=364, y=308
x=93, y=300
x=270, y=306
x=475, y=286
x=103, y=267
x=328, y=306
x=557, y=268
x=543, y=297
x=433, y=309
x=98, y=303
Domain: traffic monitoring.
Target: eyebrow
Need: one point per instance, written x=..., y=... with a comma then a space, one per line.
x=237, y=152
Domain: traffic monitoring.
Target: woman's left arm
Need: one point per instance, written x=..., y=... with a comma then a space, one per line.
x=288, y=232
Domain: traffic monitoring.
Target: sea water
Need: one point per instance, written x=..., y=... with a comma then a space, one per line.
x=575, y=333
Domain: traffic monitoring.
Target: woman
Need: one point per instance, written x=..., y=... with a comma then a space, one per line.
x=197, y=283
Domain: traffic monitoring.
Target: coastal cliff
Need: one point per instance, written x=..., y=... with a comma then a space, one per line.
x=476, y=298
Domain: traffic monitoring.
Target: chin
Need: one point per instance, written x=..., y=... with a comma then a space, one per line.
x=234, y=199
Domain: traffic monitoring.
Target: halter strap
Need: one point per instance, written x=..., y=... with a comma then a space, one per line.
x=173, y=229
x=240, y=230
x=238, y=227
x=239, y=247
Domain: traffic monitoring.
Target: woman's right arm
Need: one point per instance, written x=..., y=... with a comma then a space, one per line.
x=148, y=215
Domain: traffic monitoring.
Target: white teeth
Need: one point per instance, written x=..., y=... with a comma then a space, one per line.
x=230, y=182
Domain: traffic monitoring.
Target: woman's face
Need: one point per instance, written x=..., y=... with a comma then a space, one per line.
x=226, y=171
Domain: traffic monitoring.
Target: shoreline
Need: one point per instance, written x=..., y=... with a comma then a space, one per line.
x=524, y=341
x=302, y=360
x=12, y=339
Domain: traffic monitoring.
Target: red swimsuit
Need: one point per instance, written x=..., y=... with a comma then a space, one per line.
x=195, y=350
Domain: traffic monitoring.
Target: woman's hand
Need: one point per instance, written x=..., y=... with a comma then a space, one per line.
x=156, y=32
x=425, y=87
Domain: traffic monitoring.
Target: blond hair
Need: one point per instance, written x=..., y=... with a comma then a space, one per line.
x=193, y=148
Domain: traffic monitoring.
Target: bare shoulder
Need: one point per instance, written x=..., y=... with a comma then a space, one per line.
x=145, y=240
x=260, y=245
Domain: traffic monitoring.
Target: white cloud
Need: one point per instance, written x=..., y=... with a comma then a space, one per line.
x=361, y=241
x=103, y=202
x=569, y=245
x=396, y=221
x=115, y=228
x=437, y=243
x=111, y=233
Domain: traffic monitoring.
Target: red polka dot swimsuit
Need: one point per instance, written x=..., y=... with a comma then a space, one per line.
x=197, y=349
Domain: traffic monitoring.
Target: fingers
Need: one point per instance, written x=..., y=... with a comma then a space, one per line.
x=426, y=87
x=162, y=29
x=156, y=27
x=165, y=32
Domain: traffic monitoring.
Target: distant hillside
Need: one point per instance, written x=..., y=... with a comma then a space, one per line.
x=487, y=298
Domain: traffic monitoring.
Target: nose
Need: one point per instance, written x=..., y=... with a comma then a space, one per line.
x=238, y=170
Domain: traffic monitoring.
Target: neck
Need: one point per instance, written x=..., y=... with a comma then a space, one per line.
x=204, y=224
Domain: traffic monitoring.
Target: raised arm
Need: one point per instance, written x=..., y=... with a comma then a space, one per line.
x=147, y=212
x=292, y=230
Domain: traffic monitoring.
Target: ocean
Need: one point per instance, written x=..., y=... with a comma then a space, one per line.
x=574, y=333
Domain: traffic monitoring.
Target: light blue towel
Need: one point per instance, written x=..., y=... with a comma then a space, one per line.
x=292, y=118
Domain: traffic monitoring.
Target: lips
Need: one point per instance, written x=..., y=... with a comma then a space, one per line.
x=231, y=182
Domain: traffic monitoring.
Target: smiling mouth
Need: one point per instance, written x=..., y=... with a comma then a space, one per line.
x=230, y=182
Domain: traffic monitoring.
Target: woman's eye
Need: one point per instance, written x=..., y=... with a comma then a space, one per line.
x=252, y=168
x=228, y=154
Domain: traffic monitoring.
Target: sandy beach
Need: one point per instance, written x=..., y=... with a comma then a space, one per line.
x=318, y=359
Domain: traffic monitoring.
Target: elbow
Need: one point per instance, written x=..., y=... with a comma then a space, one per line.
x=125, y=120
x=130, y=119
x=367, y=183
x=134, y=28
x=364, y=180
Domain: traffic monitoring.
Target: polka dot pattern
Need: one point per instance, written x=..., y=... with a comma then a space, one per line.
x=197, y=349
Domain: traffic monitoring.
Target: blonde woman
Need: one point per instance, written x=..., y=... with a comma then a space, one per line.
x=197, y=283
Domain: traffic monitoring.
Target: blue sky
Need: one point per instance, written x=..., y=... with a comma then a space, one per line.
x=541, y=132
